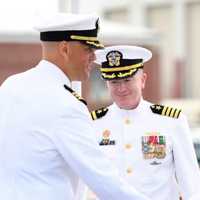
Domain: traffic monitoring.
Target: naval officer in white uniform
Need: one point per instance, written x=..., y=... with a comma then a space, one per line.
x=46, y=138
x=150, y=144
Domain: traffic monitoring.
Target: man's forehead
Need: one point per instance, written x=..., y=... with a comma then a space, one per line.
x=121, y=80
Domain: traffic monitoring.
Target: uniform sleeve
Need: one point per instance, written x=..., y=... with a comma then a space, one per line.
x=186, y=166
x=74, y=138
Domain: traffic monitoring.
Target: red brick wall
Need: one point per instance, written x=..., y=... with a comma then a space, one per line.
x=17, y=57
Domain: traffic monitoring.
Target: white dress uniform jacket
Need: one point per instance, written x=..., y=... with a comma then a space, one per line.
x=152, y=152
x=47, y=142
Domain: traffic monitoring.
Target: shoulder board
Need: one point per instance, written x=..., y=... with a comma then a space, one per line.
x=75, y=94
x=165, y=110
x=96, y=114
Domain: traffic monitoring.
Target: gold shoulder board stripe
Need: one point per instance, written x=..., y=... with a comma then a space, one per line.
x=96, y=114
x=165, y=110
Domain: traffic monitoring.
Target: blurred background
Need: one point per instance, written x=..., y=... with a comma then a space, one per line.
x=170, y=29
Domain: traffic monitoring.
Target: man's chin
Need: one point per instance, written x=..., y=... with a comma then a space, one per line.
x=121, y=105
x=124, y=105
x=85, y=78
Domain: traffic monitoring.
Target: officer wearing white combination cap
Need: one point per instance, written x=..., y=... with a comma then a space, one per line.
x=47, y=142
x=149, y=143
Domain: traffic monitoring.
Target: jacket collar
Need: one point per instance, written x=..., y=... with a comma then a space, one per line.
x=54, y=72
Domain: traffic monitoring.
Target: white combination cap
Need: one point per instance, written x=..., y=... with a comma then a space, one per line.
x=121, y=61
x=70, y=27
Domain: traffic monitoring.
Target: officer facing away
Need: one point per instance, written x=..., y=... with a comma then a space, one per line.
x=46, y=138
x=149, y=143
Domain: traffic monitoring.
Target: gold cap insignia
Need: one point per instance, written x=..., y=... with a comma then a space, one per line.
x=113, y=58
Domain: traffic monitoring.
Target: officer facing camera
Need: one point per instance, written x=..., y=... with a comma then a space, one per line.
x=149, y=143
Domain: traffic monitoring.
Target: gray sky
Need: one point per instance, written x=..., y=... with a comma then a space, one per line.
x=20, y=14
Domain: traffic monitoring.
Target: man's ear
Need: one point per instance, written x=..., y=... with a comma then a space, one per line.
x=64, y=49
x=144, y=78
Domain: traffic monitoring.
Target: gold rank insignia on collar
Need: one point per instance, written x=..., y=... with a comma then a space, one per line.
x=165, y=110
x=96, y=114
x=75, y=94
x=114, y=58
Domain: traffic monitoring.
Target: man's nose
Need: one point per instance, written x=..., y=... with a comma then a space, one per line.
x=92, y=55
x=121, y=87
